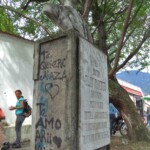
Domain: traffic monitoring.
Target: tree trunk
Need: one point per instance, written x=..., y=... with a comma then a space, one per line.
x=121, y=100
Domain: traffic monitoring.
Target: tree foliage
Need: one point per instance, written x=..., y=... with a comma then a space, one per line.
x=119, y=28
x=6, y=25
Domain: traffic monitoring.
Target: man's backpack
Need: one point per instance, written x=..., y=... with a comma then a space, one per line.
x=27, y=109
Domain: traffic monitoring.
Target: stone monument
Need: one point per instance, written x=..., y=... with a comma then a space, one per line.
x=70, y=110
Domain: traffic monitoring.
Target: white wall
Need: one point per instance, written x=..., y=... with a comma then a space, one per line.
x=133, y=98
x=16, y=69
x=146, y=105
x=11, y=135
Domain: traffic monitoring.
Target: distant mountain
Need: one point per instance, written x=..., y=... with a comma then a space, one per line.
x=140, y=79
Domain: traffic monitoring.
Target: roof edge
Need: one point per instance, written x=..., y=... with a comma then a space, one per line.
x=17, y=36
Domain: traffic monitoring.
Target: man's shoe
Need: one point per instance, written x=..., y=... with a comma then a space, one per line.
x=13, y=144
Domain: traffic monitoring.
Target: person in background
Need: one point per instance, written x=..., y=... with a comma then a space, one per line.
x=19, y=110
x=113, y=114
x=148, y=120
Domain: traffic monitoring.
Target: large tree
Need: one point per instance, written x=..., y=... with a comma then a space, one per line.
x=120, y=28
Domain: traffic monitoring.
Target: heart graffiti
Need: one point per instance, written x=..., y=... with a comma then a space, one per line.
x=57, y=141
x=52, y=89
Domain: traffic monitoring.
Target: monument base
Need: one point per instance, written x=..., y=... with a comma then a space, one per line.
x=107, y=147
x=71, y=104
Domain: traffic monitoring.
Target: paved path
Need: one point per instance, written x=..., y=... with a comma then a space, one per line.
x=25, y=146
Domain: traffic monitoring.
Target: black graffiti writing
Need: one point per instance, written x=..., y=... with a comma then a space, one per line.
x=58, y=63
x=57, y=141
x=44, y=123
x=40, y=135
x=45, y=137
x=54, y=124
x=42, y=109
x=48, y=61
x=47, y=75
x=44, y=54
x=52, y=89
x=57, y=124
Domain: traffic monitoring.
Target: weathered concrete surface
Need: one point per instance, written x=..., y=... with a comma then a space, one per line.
x=94, y=102
x=10, y=134
x=58, y=122
x=24, y=146
x=55, y=124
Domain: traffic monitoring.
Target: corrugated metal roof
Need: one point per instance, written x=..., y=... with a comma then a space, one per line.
x=133, y=91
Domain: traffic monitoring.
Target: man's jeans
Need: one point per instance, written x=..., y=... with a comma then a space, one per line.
x=112, y=120
x=148, y=122
x=19, y=121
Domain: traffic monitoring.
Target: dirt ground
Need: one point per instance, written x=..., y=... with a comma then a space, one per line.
x=120, y=143
x=2, y=136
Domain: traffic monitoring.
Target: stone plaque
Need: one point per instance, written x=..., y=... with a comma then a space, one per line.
x=94, y=111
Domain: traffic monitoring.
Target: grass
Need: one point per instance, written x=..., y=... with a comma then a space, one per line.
x=120, y=143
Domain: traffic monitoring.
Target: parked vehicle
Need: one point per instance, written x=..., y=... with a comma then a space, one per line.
x=119, y=125
x=145, y=120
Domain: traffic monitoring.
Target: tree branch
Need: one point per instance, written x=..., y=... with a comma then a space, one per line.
x=120, y=44
x=112, y=52
x=87, y=7
x=113, y=43
x=105, y=5
x=112, y=59
x=72, y=3
x=30, y=1
x=113, y=22
x=145, y=37
x=118, y=14
x=135, y=14
x=24, y=16
x=128, y=36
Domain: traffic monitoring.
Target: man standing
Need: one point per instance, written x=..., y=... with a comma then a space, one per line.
x=148, y=120
x=113, y=114
x=20, y=117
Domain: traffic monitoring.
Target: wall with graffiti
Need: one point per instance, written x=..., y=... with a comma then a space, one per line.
x=51, y=94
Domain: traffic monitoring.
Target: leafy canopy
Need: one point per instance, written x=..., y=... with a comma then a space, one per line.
x=120, y=28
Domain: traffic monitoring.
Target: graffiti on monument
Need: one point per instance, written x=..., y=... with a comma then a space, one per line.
x=52, y=71
x=44, y=136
